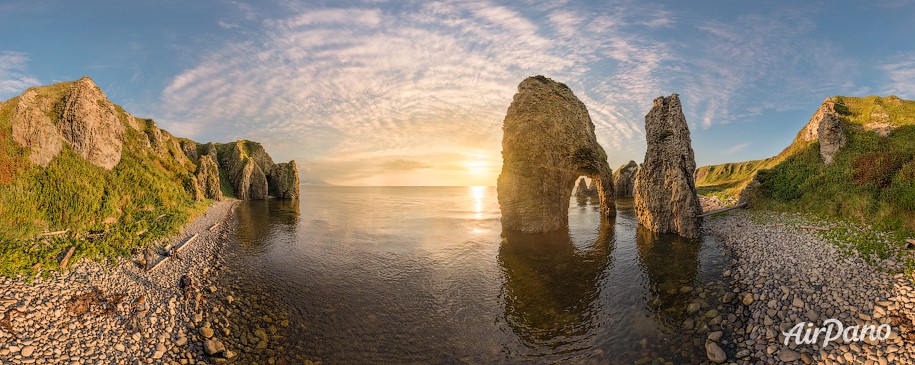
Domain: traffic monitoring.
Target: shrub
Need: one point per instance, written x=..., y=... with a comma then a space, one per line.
x=878, y=169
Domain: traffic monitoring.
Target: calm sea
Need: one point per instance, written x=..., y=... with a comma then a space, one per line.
x=426, y=275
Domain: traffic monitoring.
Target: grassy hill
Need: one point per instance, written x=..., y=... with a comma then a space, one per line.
x=144, y=198
x=872, y=179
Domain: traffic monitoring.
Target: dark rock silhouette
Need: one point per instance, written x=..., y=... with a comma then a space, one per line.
x=665, y=189
x=548, y=142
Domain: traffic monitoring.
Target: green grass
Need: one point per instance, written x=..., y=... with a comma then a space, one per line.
x=138, y=202
x=728, y=180
x=871, y=181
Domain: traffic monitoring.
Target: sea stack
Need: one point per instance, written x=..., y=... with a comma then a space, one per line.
x=548, y=142
x=665, y=189
x=624, y=180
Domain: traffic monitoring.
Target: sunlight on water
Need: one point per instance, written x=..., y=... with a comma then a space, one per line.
x=427, y=274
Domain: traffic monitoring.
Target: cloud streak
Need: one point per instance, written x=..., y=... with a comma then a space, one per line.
x=14, y=75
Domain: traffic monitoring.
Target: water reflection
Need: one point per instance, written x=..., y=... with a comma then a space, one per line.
x=259, y=219
x=670, y=262
x=551, y=287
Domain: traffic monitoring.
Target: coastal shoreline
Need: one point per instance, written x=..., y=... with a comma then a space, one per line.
x=93, y=312
x=784, y=275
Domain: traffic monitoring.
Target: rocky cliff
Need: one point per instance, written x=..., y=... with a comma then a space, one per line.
x=99, y=165
x=624, y=180
x=80, y=117
x=548, y=142
x=665, y=192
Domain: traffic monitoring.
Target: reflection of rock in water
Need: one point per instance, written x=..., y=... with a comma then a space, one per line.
x=257, y=218
x=671, y=263
x=550, y=285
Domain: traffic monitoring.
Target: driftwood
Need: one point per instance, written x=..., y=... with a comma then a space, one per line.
x=56, y=233
x=5, y=321
x=815, y=228
x=63, y=263
x=722, y=210
x=174, y=251
x=910, y=243
x=213, y=227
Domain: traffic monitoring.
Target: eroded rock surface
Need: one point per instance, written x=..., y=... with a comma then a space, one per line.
x=826, y=127
x=246, y=175
x=283, y=181
x=208, y=178
x=85, y=119
x=624, y=180
x=548, y=142
x=665, y=190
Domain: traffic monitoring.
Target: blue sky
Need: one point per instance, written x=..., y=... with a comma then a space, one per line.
x=401, y=93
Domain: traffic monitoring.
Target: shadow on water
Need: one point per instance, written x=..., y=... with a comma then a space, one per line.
x=551, y=286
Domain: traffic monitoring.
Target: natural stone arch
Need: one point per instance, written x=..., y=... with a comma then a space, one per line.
x=548, y=142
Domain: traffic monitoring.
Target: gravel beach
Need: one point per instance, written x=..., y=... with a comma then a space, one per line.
x=122, y=314
x=783, y=275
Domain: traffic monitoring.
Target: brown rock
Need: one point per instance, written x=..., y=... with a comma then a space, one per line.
x=34, y=129
x=624, y=180
x=89, y=123
x=826, y=127
x=665, y=191
x=243, y=161
x=548, y=142
x=283, y=181
x=208, y=178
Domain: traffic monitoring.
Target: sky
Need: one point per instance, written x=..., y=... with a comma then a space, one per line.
x=414, y=92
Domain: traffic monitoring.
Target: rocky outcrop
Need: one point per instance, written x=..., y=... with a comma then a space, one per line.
x=85, y=119
x=826, y=127
x=34, y=129
x=548, y=142
x=89, y=123
x=245, y=172
x=832, y=138
x=283, y=181
x=208, y=178
x=665, y=192
x=624, y=180
x=582, y=190
x=189, y=148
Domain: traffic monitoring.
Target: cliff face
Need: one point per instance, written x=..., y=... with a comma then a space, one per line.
x=665, y=192
x=82, y=118
x=548, y=142
x=99, y=164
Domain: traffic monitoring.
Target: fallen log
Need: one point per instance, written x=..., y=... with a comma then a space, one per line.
x=173, y=252
x=722, y=210
x=815, y=228
x=63, y=263
x=56, y=233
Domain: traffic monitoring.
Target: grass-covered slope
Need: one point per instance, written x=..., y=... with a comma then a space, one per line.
x=872, y=179
x=728, y=180
x=142, y=199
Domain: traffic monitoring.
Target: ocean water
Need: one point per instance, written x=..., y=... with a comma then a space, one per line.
x=427, y=275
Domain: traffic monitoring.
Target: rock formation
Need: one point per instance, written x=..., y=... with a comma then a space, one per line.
x=624, y=180
x=86, y=120
x=283, y=181
x=245, y=173
x=832, y=138
x=548, y=142
x=665, y=192
x=208, y=178
x=826, y=127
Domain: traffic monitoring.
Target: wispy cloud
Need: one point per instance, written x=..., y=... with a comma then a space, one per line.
x=14, y=74
x=736, y=148
x=901, y=76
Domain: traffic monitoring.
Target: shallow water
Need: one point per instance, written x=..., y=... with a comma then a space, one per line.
x=426, y=275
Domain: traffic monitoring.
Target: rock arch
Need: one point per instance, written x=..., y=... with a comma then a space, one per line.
x=548, y=141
